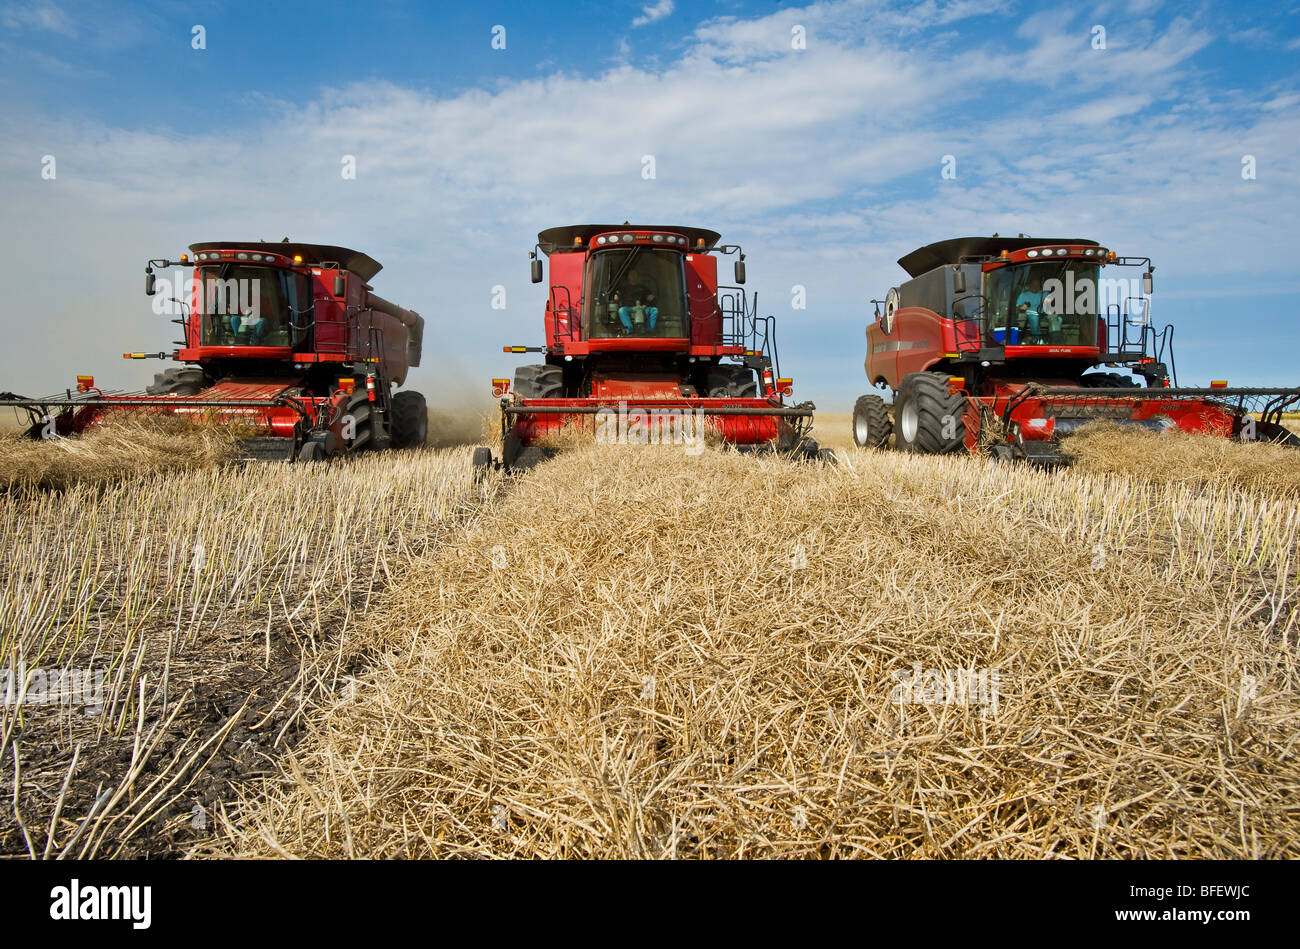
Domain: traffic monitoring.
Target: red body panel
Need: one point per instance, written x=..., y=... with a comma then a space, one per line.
x=627, y=344
x=1038, y=352
x=331, y=314
x=201, y=353
x=564, y=306
x=917, y=340
x=638, y=387
x=702, y=297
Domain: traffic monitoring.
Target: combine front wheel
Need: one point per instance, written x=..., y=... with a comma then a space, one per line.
x=528, y=457
x=871, y=424
x=510, y=448
x=929, y=417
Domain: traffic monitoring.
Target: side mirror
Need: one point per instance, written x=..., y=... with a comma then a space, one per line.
x=149, y=289
x=537, y=270
x=1148, y=284
x=958, y=280
x=740, y=271
x=339, y=286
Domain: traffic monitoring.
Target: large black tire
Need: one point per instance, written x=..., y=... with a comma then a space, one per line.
x=482, y=458
x=1002, y=452
x=871, y=423
x=183, y=380
x=363, y=431
x=923, y=409
x=731, y=382
x=311, y=452
x=1108, y=380
x=539, y=382
x=410, y=420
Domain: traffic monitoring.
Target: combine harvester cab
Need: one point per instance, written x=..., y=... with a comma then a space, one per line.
x=643, y=345
x=284, y=339
x=990, y=346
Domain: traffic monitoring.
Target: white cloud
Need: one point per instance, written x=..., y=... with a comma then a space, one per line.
x=1099, y=111
x=36, y=15
x=651, y=13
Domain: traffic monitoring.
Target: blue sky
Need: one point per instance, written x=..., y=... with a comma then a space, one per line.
x=824, y=162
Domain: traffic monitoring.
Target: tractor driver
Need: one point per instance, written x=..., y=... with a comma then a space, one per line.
x=637, y=291
x=1029, y=305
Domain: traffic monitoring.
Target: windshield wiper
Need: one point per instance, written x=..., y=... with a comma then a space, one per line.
x=618, y=277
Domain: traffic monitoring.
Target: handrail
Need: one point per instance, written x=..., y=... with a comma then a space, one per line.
x=568, y=314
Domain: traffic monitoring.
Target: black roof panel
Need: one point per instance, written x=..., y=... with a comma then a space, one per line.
x=924, y=259
x=363, y=265
x=558, y=240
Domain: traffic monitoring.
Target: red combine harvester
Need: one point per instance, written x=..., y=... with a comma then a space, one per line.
x=640, y=335
x=285, y=338
x=988, y=348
